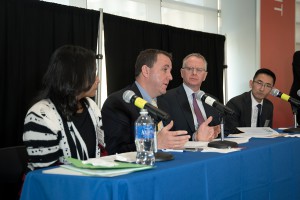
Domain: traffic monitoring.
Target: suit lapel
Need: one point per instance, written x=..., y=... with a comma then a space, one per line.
x=137, y=92
x=248, y=104
x=185, y=106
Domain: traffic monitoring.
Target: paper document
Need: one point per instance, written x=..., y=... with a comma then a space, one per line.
x=106, y=173
x=116, y=164
x=63, y=171
x=71, y=170
x=195, y=144
x=199, y=144
x=257, y=132
x=239, y=140
x=126, y=157
x=292, y=135
x=205, y=148
x=210, y=149
x=105, y=166
x=100, y=162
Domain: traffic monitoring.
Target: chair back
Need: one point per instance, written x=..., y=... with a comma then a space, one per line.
x=12, y=168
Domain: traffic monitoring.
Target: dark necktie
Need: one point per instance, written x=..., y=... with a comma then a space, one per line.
x=258, y=115
x=197, y=111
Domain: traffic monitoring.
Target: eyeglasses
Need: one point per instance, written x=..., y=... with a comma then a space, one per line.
x=262, y=84
x=191, y=69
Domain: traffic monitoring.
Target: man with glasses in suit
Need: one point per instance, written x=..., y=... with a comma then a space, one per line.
x=252, y=109
x=200, y=120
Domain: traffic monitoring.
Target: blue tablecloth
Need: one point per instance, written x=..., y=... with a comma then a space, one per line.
x=264, y=169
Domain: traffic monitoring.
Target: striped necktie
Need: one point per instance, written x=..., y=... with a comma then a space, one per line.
x=159, y=124
x=197, y=111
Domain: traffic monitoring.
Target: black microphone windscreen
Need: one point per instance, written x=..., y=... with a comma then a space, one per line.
x=127, y=95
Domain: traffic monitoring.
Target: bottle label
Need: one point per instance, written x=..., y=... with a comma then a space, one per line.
x=145, y=132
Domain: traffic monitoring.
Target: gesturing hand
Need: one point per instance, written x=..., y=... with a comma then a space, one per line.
x=207, y=133
x=167, y=139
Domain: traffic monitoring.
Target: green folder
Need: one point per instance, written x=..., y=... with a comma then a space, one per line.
x=120, y=165
x=104, y=171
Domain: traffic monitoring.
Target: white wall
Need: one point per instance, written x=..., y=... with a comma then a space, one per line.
x=239, y=25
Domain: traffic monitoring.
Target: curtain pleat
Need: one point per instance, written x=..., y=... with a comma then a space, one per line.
x=125, y=38
x=30, y=32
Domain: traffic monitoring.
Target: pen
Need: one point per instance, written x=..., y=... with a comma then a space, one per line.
x=121, y=161
x=172, y=150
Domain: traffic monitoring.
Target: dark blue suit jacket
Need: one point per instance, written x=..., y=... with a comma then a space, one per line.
x=175, y=102
x=118, y=118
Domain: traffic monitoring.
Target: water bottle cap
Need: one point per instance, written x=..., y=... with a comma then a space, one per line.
x=144, y=111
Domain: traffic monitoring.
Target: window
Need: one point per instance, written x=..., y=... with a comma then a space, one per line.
x=196, y=15
x=199, y=15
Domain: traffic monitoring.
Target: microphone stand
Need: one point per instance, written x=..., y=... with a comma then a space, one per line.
x=223, y=144
x=160, y=156
x=295, y=112
x=295, y=129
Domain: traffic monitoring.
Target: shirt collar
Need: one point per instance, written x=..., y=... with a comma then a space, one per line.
x=143, y=92
x=254, y=102
x=188, y=90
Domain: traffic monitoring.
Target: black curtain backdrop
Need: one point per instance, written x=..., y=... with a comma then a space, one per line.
x=125, y=38
x=30, y=32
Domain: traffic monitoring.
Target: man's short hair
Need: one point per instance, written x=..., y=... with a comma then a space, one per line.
x=148, y=57
x=267, y=72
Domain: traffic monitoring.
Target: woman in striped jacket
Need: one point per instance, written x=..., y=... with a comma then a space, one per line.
x=64, y=121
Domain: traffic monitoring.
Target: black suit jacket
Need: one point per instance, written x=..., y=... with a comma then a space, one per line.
x=296, y=83
x=242, y=106
x=118, y=119
x=175, y=102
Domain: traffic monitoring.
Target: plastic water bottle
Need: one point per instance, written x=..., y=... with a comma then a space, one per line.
x=144, y=139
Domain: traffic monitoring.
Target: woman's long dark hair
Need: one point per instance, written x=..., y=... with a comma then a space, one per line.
x=71, y=71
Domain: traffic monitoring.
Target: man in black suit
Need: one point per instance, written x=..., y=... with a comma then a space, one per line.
x=245, y=106
x=179, y=102
x=296, y=84
x=152, y=74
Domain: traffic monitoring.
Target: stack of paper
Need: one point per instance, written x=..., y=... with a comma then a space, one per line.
x=106, y=166
x=258, y=132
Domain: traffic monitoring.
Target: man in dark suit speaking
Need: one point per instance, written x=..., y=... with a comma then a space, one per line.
x=252, y=109
x=152, y=74
x=187, y=112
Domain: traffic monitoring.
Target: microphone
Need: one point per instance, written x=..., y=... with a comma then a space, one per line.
x=214, y=103
x=158, y=115
x=275, y=92
x=298, y=93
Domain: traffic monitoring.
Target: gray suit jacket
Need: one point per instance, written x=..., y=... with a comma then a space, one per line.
x=241, y=105
x=175, y=102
